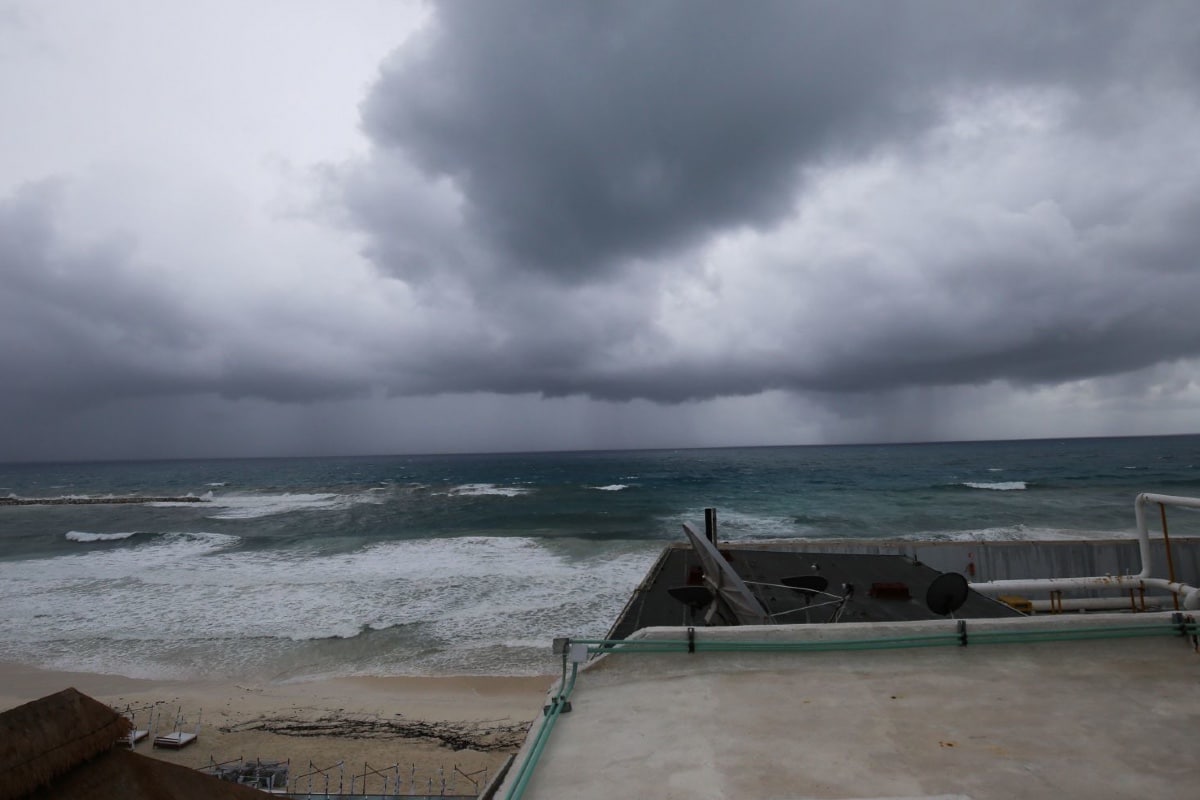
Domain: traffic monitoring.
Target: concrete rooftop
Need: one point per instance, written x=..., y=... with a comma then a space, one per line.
x=1110, y=718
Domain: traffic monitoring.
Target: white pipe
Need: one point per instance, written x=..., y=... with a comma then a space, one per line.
x=1096, y=603
x=1139, y=513
x=1060, y=584
x=1191, y=594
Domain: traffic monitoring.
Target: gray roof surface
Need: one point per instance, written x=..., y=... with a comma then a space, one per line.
x=1108, y=718
x=651, y=605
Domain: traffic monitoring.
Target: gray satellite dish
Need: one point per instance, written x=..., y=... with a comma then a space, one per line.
x=726, y=583
x=694, y=597
x=947, y=593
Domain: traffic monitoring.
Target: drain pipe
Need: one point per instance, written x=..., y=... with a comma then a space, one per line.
x=1190, y=594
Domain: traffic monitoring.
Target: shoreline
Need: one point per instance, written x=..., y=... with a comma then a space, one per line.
x=434, y=728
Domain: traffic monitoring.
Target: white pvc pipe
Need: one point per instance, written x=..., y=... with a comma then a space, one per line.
x=1191, y=594
x=1139, y=513
x=1097, y=603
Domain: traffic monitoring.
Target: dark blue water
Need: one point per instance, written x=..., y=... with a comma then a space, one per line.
x=418, y=564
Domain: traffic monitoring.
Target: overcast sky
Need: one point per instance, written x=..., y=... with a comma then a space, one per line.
x=296, y=227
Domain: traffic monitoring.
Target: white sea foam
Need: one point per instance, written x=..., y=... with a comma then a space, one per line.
x=121, y=608
x=252, y=506
x=207, y=497
x=998, y=486
x=612, y=487
x=85, y=536
x=1017, y=533
x=489, y=489
x=732, y=524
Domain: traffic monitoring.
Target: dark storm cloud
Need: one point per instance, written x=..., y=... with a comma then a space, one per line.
x=782, y=221
x=584, y=133
x=69, y=319
x=1033, y=221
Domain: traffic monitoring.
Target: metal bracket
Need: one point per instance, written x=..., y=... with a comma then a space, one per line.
x=566, y=708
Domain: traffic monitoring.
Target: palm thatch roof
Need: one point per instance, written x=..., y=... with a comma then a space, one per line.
x=132, y=776
x=61, y=746
x=45, y=738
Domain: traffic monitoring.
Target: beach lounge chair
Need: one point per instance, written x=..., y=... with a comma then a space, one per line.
x=139, y=732
x=178, y=738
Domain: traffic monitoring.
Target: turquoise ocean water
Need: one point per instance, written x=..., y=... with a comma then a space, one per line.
x=472, y=563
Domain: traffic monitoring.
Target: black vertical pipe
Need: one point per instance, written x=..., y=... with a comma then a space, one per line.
x=710, y=524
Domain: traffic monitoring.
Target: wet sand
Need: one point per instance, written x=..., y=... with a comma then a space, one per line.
x=433, y=728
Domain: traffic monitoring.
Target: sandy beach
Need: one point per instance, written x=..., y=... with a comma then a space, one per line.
x=433, y=728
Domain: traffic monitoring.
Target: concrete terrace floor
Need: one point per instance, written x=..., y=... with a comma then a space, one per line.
x=1105, y=719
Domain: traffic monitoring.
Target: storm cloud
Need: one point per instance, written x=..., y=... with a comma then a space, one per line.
x=588, y=225
x=833, y=197
x=581, y=135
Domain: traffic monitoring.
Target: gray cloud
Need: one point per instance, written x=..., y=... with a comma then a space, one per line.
x=583, y=136
x=85, y=325
x=584, y=225
x=927, y=194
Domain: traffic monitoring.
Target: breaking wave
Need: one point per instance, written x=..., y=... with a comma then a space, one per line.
x=489, y=489
x=389, y=607
x=253, y=506
x=997, y=486
x=1023, y=533
x=86, y=536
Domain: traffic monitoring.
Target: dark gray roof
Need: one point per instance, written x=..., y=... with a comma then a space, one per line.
x=885, y=588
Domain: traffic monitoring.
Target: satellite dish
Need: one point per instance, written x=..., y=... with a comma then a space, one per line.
x=726, y=583
x=947, y=593
x=809, y=584
x=694, y=597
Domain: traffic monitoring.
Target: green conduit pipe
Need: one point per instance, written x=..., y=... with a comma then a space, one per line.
x=539, y=744
x=601, y=646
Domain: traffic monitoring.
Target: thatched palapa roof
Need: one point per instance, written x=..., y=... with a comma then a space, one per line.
x=62, y=747
x=45, y=738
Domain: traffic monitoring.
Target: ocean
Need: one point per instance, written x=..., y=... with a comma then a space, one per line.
x=472, y=564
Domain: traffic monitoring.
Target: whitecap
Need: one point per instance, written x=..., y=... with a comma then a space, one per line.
x=253, y=506
x=612, y=487
x=86, y=536
x=205, y=498
x=739, y=525
x=488, y=489
x=1017, y=533
x=998, y=486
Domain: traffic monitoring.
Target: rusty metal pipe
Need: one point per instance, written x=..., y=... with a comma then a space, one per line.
x=1190, y=594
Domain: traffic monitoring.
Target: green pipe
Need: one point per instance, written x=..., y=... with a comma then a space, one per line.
x=1072, y=637
x=822, y=647
x=600, y=646
x=539, y=744
x=1157, y=629
x=718, y=646
x=670, y=645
